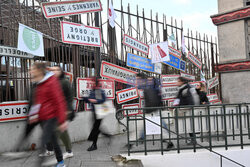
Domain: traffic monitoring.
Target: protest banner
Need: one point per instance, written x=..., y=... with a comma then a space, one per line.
x=159, y=52
x=126, y=95
x=135, y=44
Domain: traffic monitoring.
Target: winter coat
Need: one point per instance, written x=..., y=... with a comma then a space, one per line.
x=49, y=94
x=185, y=96
x=203, y=96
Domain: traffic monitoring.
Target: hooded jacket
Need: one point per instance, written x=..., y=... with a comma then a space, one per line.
x=48, y=93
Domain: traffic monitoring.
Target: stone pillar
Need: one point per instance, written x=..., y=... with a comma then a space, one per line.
x=233, y=38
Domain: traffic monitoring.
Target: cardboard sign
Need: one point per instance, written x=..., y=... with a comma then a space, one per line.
x=174, y=52
x=194, y=60
x=118, y=73
x=69, y=76
x=87, y=106
x=212, y=97
x=75, y=104
x=14, y=52
x=212, y=82
x=131, y=112
x=85, y=86
x=142, y=63
x=66, y=8
x=169, y=79
x=73, y=33
x=141, y=93
x=30, y=40
x=126, y=95
x=188, y=76
x=195, y=84
x=169, y=92
x=13, y=111
x=135, y=44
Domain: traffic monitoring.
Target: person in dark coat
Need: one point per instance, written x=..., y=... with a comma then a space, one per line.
x=201, y=90
x=97, y=96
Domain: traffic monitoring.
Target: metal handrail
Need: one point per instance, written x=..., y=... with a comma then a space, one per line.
x=120, y=116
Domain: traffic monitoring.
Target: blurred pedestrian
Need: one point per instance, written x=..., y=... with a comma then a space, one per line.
x=96, y=97
x=201, y=90
x=64, y=136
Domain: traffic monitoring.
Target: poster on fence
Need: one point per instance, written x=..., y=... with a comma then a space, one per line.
x=159, y=52
x=73, y=33
x=211, y=83
x=169, y=92
x=151, y=128
x=197, y=62
x=135, y=44
x=169, y=79
x=131, y=106
x=30, y=40
x=126, y=95
x=66, y=8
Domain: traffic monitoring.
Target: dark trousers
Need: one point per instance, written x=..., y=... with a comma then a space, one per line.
x=95, y=131
x=49, y=135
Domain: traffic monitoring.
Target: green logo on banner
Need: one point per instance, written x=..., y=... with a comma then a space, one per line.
x=31, y=39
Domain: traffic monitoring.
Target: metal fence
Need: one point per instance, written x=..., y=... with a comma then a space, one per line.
x=211, y=126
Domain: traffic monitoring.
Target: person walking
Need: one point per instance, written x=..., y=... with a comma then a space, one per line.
x=48, y=108
x=97, y=96
x=201, y=90
x=64, y=136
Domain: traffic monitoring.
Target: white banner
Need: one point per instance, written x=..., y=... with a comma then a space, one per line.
x=118, y=73
x=169, y=79
x=212, y=97
x=126, y=95
x=194, y=60
x=174, y=52
x=80, y=34
x=188, y=76
x=212, y=82
x=85, y=86
x=130, y=112
x=66, y=8
x=159, y=52
x=169, y=92
x=10, y=51
x=13, y=111
x=135, y=44
x=112, y=15
x=151, y=128
x=30, y=41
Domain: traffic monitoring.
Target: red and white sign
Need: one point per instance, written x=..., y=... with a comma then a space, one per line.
x=195, y=84
x=194, y=60
x=217, y=102
x=73, y=33
x=66, y=8
x=131, y=106
x=212, y=82
x=135, y=44
x=188, y=76
x=75, y=104
x=13, y=111
x=126, y=95
x=159, y=52
x=141, y=93
x=169, y=92
x=169, y=79
x=85, y=86
x=171, y=103
x=118, y=73
x=174, y=52
x=87, y=106
x=212, y=97
x=69, y=76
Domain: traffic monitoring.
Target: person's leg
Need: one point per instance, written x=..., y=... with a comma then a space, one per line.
x=66, y=141
x=94, y=135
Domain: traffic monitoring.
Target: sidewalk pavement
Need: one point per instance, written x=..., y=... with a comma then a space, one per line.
x=82, y=158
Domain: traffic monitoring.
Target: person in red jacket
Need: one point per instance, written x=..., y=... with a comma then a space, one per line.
x=48, y=107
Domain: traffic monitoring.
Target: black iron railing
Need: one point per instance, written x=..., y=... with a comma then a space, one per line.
x=187, y=127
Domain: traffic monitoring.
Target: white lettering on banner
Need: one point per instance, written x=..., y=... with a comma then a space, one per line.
x=213, y=82
x=13, y=111
x=169, y=79
x=85, y=86
x=80, y=34
x=126, y=95
x=212, y=97
x=169, y=92
x=131, y=106
x=64, y=8
x=174, y=52
x=188, y=76
x=118, y=73
x=194, y=60
x=135, y=44
x=10, y=51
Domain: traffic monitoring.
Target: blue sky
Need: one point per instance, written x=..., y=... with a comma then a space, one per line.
x=194, y=13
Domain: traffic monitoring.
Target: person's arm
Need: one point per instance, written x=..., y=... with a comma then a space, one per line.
x=68, y=94
x=206, y=99
x=99, y=101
